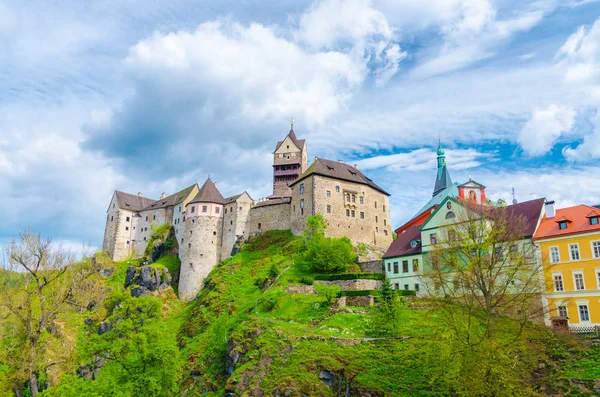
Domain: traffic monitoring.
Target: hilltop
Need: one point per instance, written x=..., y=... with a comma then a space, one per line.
x=247, y=335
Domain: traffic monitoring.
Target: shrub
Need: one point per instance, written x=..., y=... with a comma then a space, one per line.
x=350, y=276
x=306, y=280
x=329, y=292
x=330, y=254
x=273, y=272
x=267, y=304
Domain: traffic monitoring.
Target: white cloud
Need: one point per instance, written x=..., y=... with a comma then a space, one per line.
x=540, y=133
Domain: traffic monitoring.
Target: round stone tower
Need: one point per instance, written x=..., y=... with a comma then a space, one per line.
x=200, y=246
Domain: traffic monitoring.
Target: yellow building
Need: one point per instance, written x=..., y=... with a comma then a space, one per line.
x=569, y=241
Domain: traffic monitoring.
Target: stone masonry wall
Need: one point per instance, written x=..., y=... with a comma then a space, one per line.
x=199, y=251
x=235, y=223
x=269, y=217
x=353, y=285
x=373, y=228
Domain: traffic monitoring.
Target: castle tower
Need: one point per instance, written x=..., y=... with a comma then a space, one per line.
x=442, y=180
x=200, y=246
x=290, y=160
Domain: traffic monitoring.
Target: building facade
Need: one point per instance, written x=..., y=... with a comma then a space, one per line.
x=569, y=241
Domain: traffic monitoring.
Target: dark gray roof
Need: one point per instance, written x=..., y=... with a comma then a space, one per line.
x=209, y=194
x=297, y=142
x=401, y=246
x=132, y=202
x=265, y=203
x=442, y=180
x=233, y=199
x=173, y=199
x=338, y=170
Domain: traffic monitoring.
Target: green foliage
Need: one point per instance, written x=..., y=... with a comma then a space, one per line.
x=329, y=292
x=315, y=228
x=350, y=276
x=306, y=280
x=361, y=249
x=159, y=234
x=328, y=255
x=273, y=272
x=389, y=312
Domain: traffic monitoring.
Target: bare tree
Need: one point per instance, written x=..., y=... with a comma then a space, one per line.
x=484, y=269
x=39, y=283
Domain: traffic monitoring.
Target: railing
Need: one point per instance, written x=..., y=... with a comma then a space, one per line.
x=287, y=172
x=592, y=331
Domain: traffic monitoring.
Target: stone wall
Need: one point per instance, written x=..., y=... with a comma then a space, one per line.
x=270, y=215
x=372, y=266
x=199, y=251
x=235, y=223
x=353, y=285
x=372, y=228
x=118, y=232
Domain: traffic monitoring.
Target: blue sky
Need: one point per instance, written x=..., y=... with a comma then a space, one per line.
x=154, y=96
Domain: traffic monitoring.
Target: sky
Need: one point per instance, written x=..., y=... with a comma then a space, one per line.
x=153, y=96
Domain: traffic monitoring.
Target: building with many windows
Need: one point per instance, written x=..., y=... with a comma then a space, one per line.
x=569, y=241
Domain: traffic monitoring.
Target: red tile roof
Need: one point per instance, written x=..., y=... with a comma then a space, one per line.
x=401, y=246
x=578, y=218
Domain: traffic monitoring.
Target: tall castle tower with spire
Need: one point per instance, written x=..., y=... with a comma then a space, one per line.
x=442, y=180
x=290, y=160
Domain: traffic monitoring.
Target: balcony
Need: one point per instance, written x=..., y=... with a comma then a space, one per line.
x=295, y=172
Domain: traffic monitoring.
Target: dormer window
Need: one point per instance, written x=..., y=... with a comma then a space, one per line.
x=593, y=220
x=562, y=225
x=414, y=243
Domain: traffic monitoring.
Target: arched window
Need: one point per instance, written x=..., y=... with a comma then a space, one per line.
x=450, y=215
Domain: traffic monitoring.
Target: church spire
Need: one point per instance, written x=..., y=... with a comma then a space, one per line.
x=442, y=180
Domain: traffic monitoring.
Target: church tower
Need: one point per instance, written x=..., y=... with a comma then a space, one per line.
x=442, y=180
x=290, y=160
x=200, y=246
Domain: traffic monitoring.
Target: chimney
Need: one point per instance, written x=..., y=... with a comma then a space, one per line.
x=162, y=196
x=356, y=166
x=550, y=213
x=140, y=194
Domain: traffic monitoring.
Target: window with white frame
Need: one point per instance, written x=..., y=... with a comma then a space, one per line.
x=558, y=283
x=596, y=249
x=554, y=255
x=574, y=251
x=578, y=279
x=562, y=311
x=584, y=313
x=598, y=277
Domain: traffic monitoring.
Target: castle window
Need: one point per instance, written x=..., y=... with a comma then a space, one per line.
x=361, y=200
x=184, y=218
x=179, y=208
x=153, y=217
x=362, y=215
x=225, y=210
x=353, y=198
x=384, y=208
x=189, y=245
x=193, y=221
x=376, y=219
x=191, y=232
x=214, y=233
x=329, y=209
x=288, y=146
x=182, y=240
x=111, y=218
x=204, y=208
x=127, y=219
x=348, y=197
x=231, y=222
x=146, y=218
x=240, y=208
x=127, y=242
x=337, y=189
x=347, y=212
x=126, y=227
x=113, y=206
x=302, y=188
x=217, y=210
x=259, y=226
x=384, y=222
x=193, y=209
x=377, y=229
x=329, y=193
x=385, y=232
x=353, y=213
x=144, y=238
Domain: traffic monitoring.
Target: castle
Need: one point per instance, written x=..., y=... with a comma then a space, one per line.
x=207, y=225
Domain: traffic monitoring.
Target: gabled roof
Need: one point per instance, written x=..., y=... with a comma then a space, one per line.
x=450, y=191
x=401, y=246
x=338, y=170
x=298, y=142
x=132, y=202
x=208, y=194
x=579, y=217
x=173, y=199
x=472, y=183
x=528, y=211
x=233, y=199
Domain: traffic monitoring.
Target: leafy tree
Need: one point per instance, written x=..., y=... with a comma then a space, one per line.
x=329, y=292
x=38, y=285
x=315, y=228
x=482, y=272
x=330, y=254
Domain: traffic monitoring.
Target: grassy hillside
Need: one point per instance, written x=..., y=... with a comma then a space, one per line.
x=246, y=336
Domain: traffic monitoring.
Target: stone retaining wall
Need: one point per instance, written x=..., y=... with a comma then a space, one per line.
x=353, y=285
